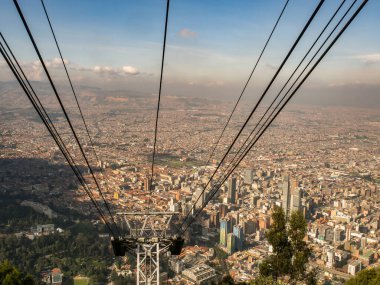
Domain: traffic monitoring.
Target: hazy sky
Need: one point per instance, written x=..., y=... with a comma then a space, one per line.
x=211, y=45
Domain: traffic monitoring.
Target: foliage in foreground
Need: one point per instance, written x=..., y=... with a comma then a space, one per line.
x=290, y=252
x=366, y=277
x=9, y=275
x=78, y=251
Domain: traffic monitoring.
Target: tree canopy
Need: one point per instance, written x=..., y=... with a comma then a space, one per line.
x=77, y=251
x=290, y=252
x=9, y=275
x=366, y=277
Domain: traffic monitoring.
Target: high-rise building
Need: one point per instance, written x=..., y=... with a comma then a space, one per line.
x=230, y=243
x=147, y=184
x=338, y=235
x=201, y=195
x=239, y=237
x=173, y=207
x=234, y=217
x=348, y=232
x=296, y=199
x=285, y=186
x=223, y=210
x=291, y=196
x=329, y=235
x=232, y=190
x=330, y=258
x=248, y=176
x=250, y=226
x=354, y=267
x=264, y=222
x=225, y=226
x=214, y=219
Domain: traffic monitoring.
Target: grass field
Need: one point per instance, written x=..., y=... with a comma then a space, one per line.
x=81, y=281
x=174, y=161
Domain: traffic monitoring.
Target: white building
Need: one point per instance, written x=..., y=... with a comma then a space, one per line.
x=354, y=267
x=330, y=258
x=200, y=274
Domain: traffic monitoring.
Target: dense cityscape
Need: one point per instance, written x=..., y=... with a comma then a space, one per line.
x=322, y=161
x=189, y=142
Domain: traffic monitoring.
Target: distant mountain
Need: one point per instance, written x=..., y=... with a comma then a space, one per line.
x=348, y=95
x=352, y=95
x=12, y=97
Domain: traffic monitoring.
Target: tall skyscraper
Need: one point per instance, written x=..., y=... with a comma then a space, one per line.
x=232, y=190
x=285, y=186
x=348, y=232
x=225, y=226
x=250, y=226
x=214, y=219
x=147, y=184
x=239, y=237
x=295, y=199
x=230, y=243
x=223, y=210
x=291, y=196
x=248, y=176
x=173, y=206
x=234, y=217
x=330, y=258
x=198, y=193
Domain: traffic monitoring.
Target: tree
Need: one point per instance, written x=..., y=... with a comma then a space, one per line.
x=311, y=277
x=9, y=275
x=301, y=253
x=28, y=280
x=262, y=280
x=227, y=280
x=366, y=277
x=290, y=251
x=279, y=263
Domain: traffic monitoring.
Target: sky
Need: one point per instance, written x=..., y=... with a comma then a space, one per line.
x=211, y=45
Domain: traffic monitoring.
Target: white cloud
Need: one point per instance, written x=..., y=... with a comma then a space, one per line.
x=34, y=70
x=56, y=62
x=186, y=33
x=371, y=58
x=130, y=69
x=115, y=72
x=103, y=69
